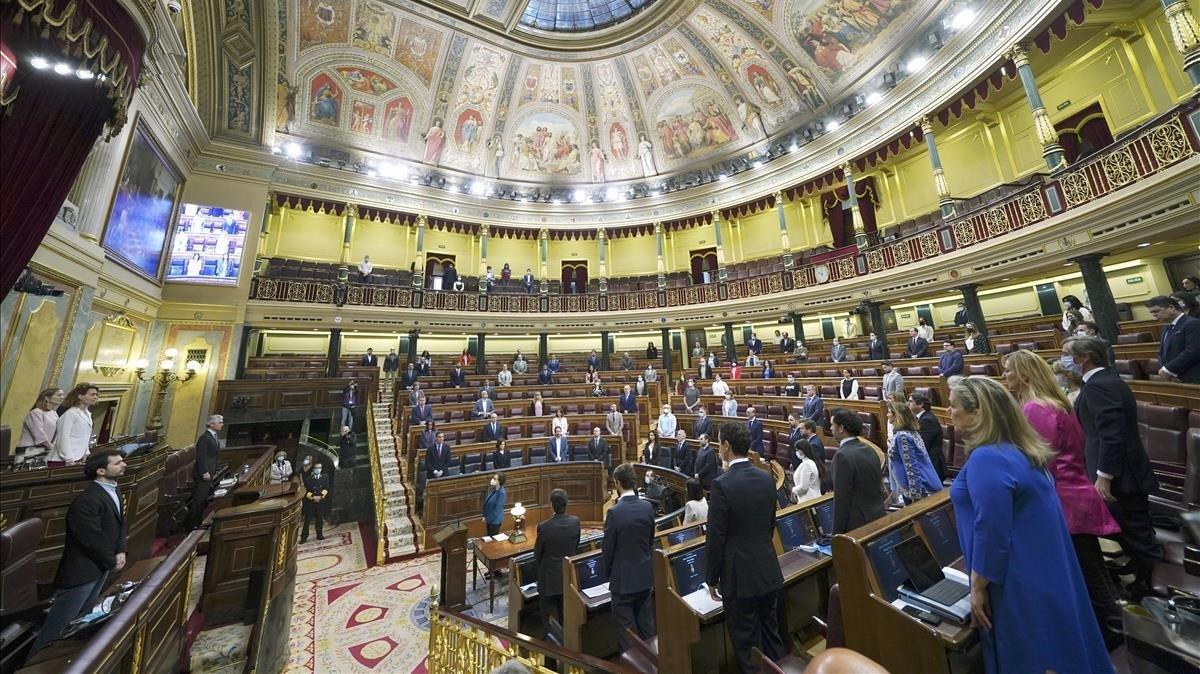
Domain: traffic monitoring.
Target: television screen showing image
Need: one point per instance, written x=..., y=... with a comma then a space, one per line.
x=208, y=245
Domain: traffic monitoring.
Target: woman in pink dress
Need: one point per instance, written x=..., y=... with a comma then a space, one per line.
x=435, y=138
x=1088, y=518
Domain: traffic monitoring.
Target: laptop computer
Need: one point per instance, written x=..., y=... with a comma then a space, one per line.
x=928, y=583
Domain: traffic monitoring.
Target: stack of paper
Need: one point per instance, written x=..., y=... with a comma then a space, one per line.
x=500, y=537
x=701, y=602
x=596, y=591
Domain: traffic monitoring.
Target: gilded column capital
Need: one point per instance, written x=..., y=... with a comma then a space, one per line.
x=658, y=228
x=485, y=230
x=926, y=125
x=848, y=170
x=601, y=234
x=351, y=210
x=1185, y=32
x=1018, y=54
x=716, y=216
x=422, y=220
x=543, y=234
x=778, y=198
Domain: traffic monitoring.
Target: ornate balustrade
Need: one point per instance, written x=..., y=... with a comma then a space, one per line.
x=1164, y=142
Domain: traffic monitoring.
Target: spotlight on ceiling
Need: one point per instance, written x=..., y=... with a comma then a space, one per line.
x=85, y=74
x=890, y=78
x=293, y=150
x=962, y=19
x=610, y=194
x=580, y=196
x=916, y=63
x=832, y=125
x=63, y=68
x=873, y=98
x=39, y=63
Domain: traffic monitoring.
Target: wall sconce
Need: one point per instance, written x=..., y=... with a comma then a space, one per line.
x=163, y=378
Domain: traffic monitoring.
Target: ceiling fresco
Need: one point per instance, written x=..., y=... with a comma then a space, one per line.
x=373, y=79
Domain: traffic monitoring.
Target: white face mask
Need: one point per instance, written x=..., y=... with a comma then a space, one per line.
x=316, y=471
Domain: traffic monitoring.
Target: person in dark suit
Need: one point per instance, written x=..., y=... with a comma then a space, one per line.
x=449, y=277
x=94, y=546
x=207, y=446
x=593, y=360
x=837, y=352
x=876, y=348
x=391, y=363
x=1179, y=349
x=703, y=424
x=754, y=426
x=545, y=377
x=458, y=377
x=918, y=346
x=950, y=363
x=813, y=437
x=370, y=359
x=795, y=434
x=708, y=464
x=421, y=412
x=409, y=377
x=557, y=537
x=527, y=281
x=437, y=458
x=658, y=451
x=787, y=344
x=492, y=430
x=627, y=401
x=346, y=448
x=960, y=316
x=857, y=476
x=743, y=573
x=316, y=485
x=598, y=449
x=557, y=449
x=931, y=431
x=628, y=540
x=754, y=344
x=428, y=435
x=484, y=406
x=500, y=455
x=685, y=458
x=814, y=407
x=1115, y=458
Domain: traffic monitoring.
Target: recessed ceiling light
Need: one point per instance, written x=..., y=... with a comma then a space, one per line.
x=63, y=68
x=1006, y=278
x=39, y=63
x=1068, y=264
x=874, y=97
x=915, y=63
x=293, y=150
x=611, y=194
x=832, y=125
x=580, y=195
x=962, y=19
x=1144, y=244
x=85, y=74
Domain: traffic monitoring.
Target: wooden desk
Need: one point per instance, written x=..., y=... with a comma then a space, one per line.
x=495, y=556
x=588, y=625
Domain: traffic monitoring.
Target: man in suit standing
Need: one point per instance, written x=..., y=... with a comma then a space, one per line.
x=627, y=402
x=421, y=412
x=409, y=378
x=437, y=458
x=754, y=344
x=593, y=359
x=704, y=371
x=875, y=348
x=316, y=485
x=449, y=277
x=708, y=464
x=391, y=364
x=346, y=448
x=857, y=476
x=795, y=434
x=527, y=281
x=703, y=424
x=918, y=347
x=458, y=377
x=1179, y=349
x=893, y=381
x=931, y=431
x=94, y=545
x=493, y=431
x=628, y=540
x=557, y=537
x=754, y=427
x=1116, y=460
x=545, y=377
x=554, y=364
x=685, y=458
x=838, y=352
x=614, y=423
x=598, y=449
x=814, y=407
x=787, y=344
x=950, y=363
x=557, y=449
x=960, y=316
x=369, y=360
x=484, y=406
x=207, y=446
x=743, y=573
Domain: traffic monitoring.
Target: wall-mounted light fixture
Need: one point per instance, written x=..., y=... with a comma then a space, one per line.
x=163, y=378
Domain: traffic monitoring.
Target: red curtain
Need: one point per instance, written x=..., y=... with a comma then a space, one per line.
x=841, y=224
x=1084, y=133
x=52, y=121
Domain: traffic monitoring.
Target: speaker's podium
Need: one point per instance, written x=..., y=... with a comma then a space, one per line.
x=452, y=539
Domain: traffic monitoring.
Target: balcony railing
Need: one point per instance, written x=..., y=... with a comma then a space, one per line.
x=1157, y=145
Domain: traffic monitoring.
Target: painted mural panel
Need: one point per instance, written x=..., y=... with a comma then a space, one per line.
x=326, y=101
x=836, y=33
x=374, y=26
x=397, y=120
x=418, y=48
x=362, y=117
x=366, y=81
x=323, y=22
x=692, y=122
x=547, y=144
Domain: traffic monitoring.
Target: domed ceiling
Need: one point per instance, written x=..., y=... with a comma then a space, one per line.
x=457, y=87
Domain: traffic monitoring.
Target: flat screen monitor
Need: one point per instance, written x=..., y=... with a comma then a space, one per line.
x=942, y=536
x=677, y=537
x=688, y=567
x=919, y=565
x=590, y=572
x=208, y=245
x=888, y=569
x=669, y=521
x=795, y=529
x=824, y=514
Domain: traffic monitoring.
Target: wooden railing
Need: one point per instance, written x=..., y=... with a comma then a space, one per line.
x=1157, y=145
x=381, y=539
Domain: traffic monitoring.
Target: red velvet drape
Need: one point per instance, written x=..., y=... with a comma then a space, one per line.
x=841, y=226
x=53, y=120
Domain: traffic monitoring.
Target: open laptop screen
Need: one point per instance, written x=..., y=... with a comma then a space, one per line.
x=689, y=569
x=943, y=537
x=590, y=572
x=922, y=569
x=889, y=571
x=677, y=537
x=795, y=529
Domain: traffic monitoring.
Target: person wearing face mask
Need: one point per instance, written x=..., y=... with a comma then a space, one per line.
x=346, y=447
x=975, y=341
x=1074, y=313
x=1090, y=329
x=838, y=352
x=281, y=470
x=493, y=505
x=708, y=462
x=316, y=485
x=807, y=477
x=1179, y=351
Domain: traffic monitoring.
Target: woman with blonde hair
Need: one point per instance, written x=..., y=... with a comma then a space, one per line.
x=910, y=470
x=37, y=432
x=1068, y=380
x=1052, y=416
x=1015, y=541
x=73, y=435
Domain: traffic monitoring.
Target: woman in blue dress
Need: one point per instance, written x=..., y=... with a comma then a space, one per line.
x=1028, y=599
x=910, y=470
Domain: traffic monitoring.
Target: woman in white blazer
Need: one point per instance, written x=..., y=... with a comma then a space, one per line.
x=848, y=386
x=73, y=436
x=807, y=476
x=559, y=421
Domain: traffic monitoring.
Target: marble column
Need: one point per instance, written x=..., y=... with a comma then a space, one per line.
x=605, y=352
x=730, y=352
x=348, y=221
x=1185, y=33
x=602, y=246
x=860, y=232
x=334, y=352
x=666, y=357
x=875, y=314
x=719, y=238
x=797, y=326
x=1103, y=306
x=544, y=259
x=481, y=353
x=484, y=234
x=543, y=349
x=970, y=294
x=92, y=191
x=264, y=233
x=939, y=176
x=413, y=336
x=661, y=248
x=1055, y=156
x=243, y=350
x=418, y=278
x=784, y=243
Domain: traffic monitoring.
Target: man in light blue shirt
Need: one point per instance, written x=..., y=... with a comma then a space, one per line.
x=666, y=423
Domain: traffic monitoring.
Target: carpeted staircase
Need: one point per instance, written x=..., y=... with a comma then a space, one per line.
x=402, y=533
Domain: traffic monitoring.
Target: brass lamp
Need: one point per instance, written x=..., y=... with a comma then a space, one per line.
x=164, y=377
x=518, y=513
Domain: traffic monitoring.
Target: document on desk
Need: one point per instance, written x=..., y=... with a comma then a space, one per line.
x=701, y=601
x=485, y=539
x=529, y=587
x=596, y=591
x=500, y=537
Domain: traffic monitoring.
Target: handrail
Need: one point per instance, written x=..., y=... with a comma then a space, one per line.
x=465, y=645
x=381, y=539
